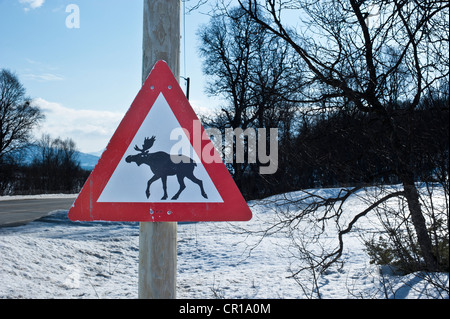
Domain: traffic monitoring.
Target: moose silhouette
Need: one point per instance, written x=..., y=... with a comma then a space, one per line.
x=163, y=165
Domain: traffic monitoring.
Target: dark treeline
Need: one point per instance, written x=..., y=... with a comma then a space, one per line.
x=53, y=169
x=347, y=148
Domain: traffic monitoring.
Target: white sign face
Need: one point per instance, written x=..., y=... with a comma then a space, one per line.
x=147, y=166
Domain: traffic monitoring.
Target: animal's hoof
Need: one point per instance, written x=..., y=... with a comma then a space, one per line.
x=204, y=195
x=164, y=198
x=175, y=197
x=147, y=194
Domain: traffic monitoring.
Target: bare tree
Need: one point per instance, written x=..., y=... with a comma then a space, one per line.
x=254, y=74
x=56, y=167
x=17, y=115
x=383, y=68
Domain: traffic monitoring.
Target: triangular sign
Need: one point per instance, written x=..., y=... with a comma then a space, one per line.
x=160, y=165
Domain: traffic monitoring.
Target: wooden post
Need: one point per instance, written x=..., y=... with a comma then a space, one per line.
x=158, y=241
x=161, y=39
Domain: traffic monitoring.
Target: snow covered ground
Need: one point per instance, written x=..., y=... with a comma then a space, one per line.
x=56, y=258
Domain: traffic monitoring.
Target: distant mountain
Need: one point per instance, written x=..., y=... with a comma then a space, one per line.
x=97, y=154
x=27, y=155
x=87, y=161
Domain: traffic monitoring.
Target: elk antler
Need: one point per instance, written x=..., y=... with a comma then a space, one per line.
x=148, y=143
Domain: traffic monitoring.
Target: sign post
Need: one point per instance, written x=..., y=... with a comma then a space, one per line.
x=158, y=241
x=160, y=166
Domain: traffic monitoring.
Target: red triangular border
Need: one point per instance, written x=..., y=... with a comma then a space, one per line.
x=86, y=207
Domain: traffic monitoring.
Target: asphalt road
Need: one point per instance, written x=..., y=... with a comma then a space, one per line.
x=22, y=211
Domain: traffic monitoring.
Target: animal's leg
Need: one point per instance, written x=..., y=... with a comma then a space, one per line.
x=180, y=179
x=164, y=182
x=198, y=182
x=150, y=181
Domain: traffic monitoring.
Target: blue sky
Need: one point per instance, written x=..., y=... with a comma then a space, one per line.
x=85, y=78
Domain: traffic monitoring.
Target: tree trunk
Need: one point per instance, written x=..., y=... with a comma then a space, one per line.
x=423, y=238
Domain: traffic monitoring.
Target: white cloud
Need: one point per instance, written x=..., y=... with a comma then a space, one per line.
x=45, y=77
x=32, y=4
x=91, y=130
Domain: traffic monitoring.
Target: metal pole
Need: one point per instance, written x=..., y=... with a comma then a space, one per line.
x=158, y=241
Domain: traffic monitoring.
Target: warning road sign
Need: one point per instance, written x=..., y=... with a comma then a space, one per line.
x=153, y=170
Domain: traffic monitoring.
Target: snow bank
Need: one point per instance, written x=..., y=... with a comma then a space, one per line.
x=43, y=196
x=56, y=258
